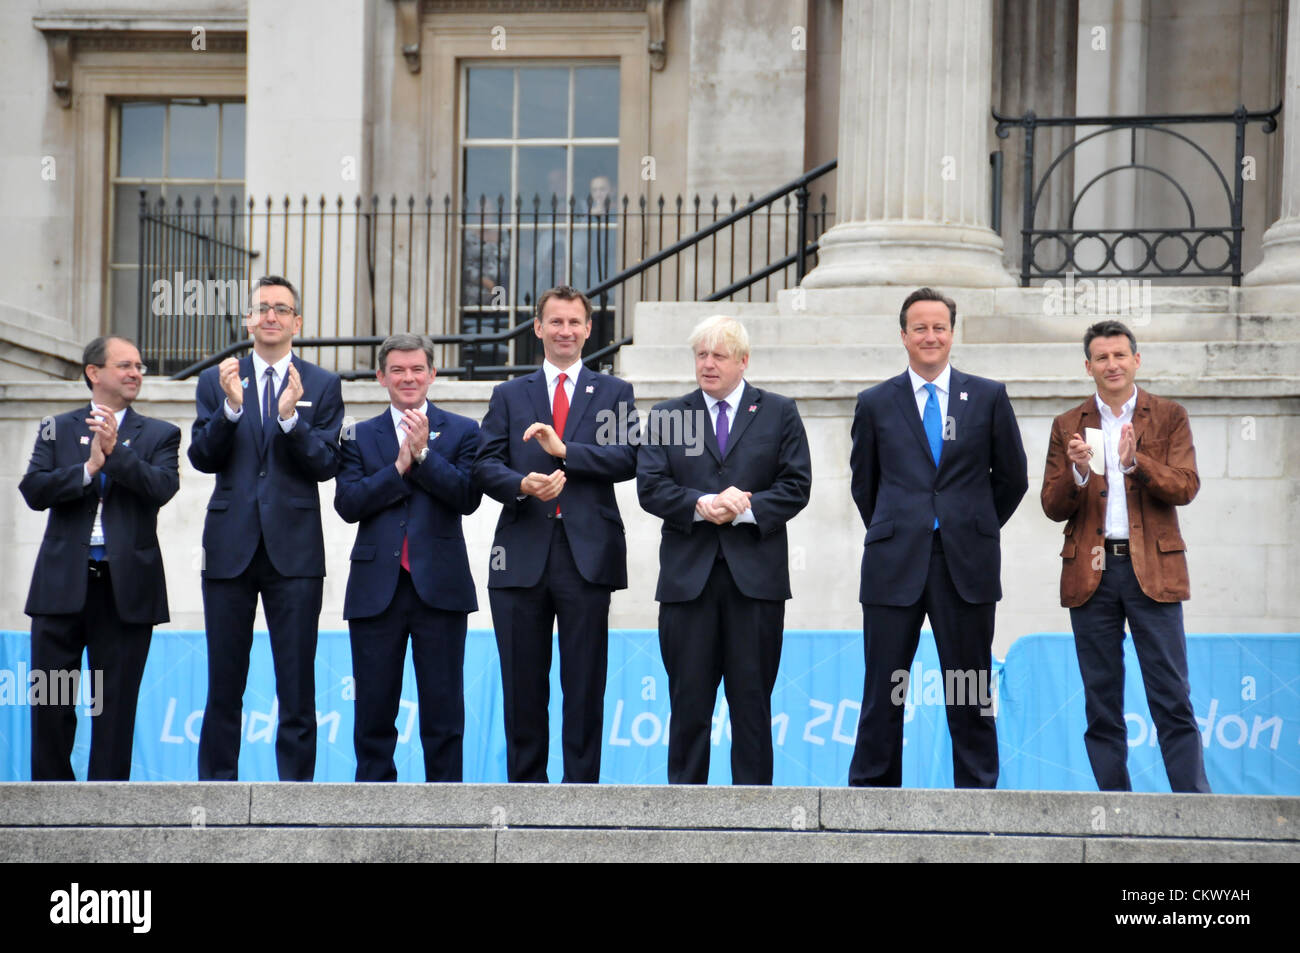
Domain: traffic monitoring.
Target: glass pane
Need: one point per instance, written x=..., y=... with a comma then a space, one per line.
x=126, y=221
x=595, y=179
x=140, y=151
x=543, y=103
x=541, y=267
x=485, y=267
x=125, y=297
x=193, y=142
x=232, y=141
x=541, y=173
x=595, y=102
x=487, y=177
x=488, y=103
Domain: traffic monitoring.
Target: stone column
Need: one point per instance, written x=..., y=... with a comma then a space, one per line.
x=1281, y=244
x=913, y=177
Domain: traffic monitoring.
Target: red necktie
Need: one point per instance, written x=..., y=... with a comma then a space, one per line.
x=560, y=412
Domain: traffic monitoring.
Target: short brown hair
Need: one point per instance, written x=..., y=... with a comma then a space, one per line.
x=1107, y=329
x=96, y=353
x=927, y=294
x=564, y=293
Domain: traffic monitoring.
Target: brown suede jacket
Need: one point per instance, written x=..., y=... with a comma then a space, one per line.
x=1165, y=478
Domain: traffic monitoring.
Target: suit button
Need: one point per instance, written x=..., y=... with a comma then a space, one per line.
x=936, y=492
x=1103, y=493
x=719, y=471
x=550, y=516
x=402, y=523
x=397, y=555
x=1098, y=530
x=262, y=474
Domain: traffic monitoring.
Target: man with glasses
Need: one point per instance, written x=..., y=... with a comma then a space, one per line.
x=268, y=426
x=98, y=585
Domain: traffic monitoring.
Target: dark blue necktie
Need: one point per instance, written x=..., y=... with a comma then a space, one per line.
x=724, y=431
x=268, y=399
x=97, y=553
x=933, y=422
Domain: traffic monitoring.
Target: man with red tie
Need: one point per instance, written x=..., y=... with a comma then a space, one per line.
x=405, y=478
x=559, y=549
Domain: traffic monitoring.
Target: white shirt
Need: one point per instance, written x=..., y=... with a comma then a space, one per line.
x=1116, y=522
x=732, y=401
x=570, y=381
x=278, y=370
x=923, y=396
x=97, y=528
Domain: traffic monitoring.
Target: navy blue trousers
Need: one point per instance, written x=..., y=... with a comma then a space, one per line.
x=1157, y=629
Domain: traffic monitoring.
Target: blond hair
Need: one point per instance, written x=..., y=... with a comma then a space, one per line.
x=721, y=329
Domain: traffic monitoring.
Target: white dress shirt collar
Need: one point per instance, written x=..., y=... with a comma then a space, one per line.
x=941, y=382
x=732, y=401
x=259, y=370
x=1125, y=412
x=552, y=372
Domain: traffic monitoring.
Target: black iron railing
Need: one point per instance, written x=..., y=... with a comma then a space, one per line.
x=1210, y=248
x=467, y=275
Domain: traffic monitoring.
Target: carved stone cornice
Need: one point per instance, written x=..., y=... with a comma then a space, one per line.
x=533, y=6
x=410, y=12
x=67, y=34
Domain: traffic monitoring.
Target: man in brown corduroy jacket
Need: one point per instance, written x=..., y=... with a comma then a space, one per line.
x=1123, y=557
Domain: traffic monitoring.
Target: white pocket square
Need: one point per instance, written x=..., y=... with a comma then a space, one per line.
x=303, y=403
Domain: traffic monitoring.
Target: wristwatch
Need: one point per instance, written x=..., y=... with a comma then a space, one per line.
x=422, y=455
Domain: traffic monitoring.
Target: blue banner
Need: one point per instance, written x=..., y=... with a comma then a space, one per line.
x=1243, y=691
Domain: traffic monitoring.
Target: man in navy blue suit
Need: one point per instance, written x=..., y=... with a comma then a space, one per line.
x=553, y=445
x=723, y=558
x=268, y=426
x=103, y=472
x=937, y=468
x=405, y=477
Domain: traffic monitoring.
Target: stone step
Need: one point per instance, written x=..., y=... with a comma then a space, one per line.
x=670, y=325
x=80, y=845
x=1020, y=361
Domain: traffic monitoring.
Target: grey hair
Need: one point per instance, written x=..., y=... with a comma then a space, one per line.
x=404, y=342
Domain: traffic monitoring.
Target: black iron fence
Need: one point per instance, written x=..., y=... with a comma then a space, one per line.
x=465, y=273
x=1158, y=244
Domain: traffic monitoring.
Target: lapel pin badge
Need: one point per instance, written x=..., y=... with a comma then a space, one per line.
x=753, y=408
x=244, y=382
x=963, y=395
x=85, y=440
x=434, y=435
x=591, y=388
x=126, y=443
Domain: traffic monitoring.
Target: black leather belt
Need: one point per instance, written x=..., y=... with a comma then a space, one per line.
x=1117, y=547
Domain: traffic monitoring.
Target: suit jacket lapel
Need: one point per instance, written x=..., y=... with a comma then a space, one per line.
x=132, y=424
x=541, y=400
x=385, y=436
x=1141, y=416
x=749, y=397
x=578, y=406
x=956, y=412
x=906, y=399
x=699, y=408
x=437, y=420
x=253, y=404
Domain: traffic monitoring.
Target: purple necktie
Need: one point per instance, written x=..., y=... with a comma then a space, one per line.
x=723, y=430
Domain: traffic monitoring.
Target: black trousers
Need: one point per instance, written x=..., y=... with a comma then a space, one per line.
x=437, y=642
x=963, y=634
x=522, y=618
x=721, y=636
x=292, y=607
x=1162, y=655
x=117, y=652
